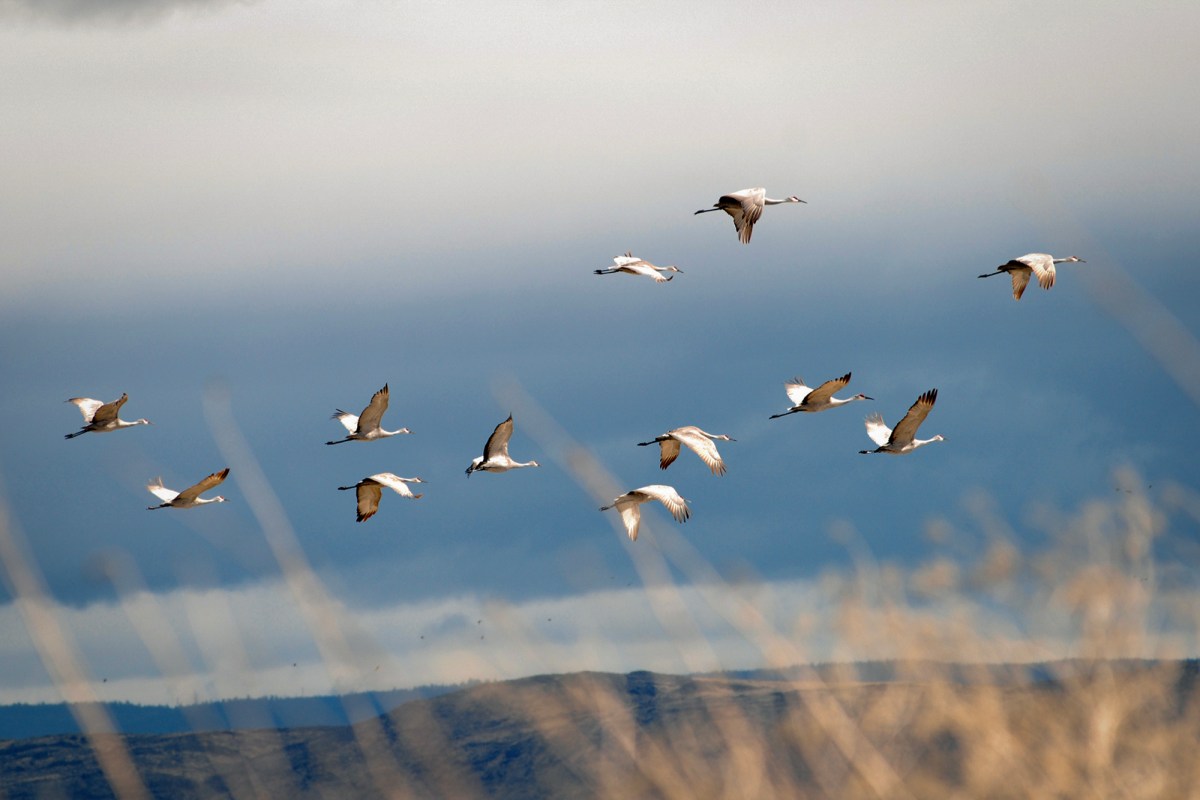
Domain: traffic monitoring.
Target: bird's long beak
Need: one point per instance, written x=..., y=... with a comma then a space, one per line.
x=865, y=397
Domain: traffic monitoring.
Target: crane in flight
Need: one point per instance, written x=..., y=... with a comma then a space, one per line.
x=630, y=506
x=101, y=417
x=746, y=207
x=370, y=490
x=495, y=456
x=1023, y=268
x=902, y=440
x=189, y=497
x=367, y=426
x=700, y=442
x=632, y=265
x=819, y=399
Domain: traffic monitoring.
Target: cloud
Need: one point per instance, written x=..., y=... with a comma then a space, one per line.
x=80, y=12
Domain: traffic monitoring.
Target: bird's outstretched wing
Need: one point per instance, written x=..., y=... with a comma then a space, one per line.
x=751, y=206
x=395, y=483
x=156, y=488
x=631, y=518
x=879, y=432
x=702, y=446
x=87, y=406
x=190, y=494
x=668, y=451
x=669, y=498
x=821, y=394
x=108, y=411
x=797, y=390
x=906, y=429
x=368, y=493
x=372, y=415
x=349, y=421
x=1020, y=279
x=1042, y=266
x=497, y=443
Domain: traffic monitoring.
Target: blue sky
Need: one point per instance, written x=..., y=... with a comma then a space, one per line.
x=289, y=206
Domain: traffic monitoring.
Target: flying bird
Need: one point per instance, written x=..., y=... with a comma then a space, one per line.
x=746, y=207
x=819, y=399
x=1039, y=264
x=632, y=265
x=370, y=489
x=701, y=442
x=366, y=426
x=99, y=417
x=189, y=497
x=495, y=456
x=629, y=504
x=901, y=441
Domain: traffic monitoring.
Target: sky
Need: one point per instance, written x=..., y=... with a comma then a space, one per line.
x=249, y=214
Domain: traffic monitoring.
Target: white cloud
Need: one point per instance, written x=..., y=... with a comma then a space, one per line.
x=252, y=641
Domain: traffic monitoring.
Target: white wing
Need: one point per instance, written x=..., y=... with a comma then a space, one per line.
x=877, y=430
x=395, y=483
x=1042, y=265
x=631, y=515
x=625, y=260
x=350, y=421
x=669, y=498
x=752, y=208
x=796, y=390
x=87, y=406
x=157, y=489
x=703, y=447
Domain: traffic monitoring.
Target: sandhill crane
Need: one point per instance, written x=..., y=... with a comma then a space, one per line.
x=1040, y=264
x=370, y=489
x=699, y=441
x=189, y=497
x=819, y=399
x=102, y=417
x=632, y=265
x=746, y=207
x=366, y=426
x=495, y=453
x=901, y=441
x=629, y=504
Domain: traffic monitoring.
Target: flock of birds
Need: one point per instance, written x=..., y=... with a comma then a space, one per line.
x=746, y=208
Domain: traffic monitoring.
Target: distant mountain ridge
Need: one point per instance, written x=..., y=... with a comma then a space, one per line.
x=928, y=730
x=27, y=720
